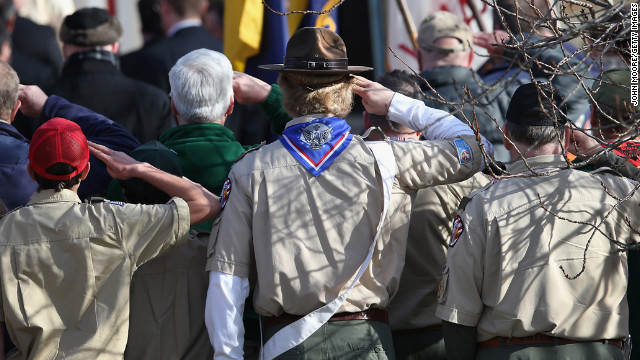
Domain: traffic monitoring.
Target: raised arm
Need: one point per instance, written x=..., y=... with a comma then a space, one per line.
x=203, y=205
x=249, y=90
x=433, y=123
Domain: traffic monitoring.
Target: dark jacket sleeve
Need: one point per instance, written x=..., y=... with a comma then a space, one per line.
x=98, y=129
x=273, y=110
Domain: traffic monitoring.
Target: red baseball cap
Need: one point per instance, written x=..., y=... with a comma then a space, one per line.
x=58, y=141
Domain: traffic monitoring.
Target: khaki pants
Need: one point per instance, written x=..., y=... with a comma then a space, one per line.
x=351, y=339
x=578, y=351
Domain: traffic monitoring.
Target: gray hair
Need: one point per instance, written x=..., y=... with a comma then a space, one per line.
x=201, y=86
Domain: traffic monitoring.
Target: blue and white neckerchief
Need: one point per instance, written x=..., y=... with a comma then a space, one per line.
x=317, y=143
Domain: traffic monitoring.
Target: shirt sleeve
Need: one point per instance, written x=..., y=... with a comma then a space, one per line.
x=427, y=163
x=231, y=243
x=433, y=123
x=459, y=295
x=273, y=110
x=151, y=230
x=223, y=314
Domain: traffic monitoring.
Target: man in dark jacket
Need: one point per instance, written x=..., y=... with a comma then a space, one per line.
x=17, y=185
x=91, y=77
x=182, y=24
x=445, y=56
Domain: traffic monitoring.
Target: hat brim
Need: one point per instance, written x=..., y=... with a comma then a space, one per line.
x=350, y=70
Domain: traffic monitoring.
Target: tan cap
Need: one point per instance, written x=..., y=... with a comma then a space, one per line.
x=444, y=24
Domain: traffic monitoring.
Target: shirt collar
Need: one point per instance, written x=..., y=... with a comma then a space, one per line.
x=538, y=163
x=306, y=118
x=50, y=196
x=183, y=24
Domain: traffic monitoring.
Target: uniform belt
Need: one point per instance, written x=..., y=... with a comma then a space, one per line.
x=369, y=314
x=540, y=339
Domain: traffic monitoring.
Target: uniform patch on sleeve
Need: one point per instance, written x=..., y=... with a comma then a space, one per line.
x=226, y=191
x=464, y=151
x=456, y=231
x=119, y=203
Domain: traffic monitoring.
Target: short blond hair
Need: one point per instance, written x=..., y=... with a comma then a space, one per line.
x=9, y=84
x=301, y=96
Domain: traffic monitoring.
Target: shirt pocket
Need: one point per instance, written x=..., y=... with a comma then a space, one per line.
x=56, y=284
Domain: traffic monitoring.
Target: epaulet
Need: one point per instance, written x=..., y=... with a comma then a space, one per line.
x=608, y=170
x=98, y=200
x=250, y=150
x=9, y=212
x=465, y=200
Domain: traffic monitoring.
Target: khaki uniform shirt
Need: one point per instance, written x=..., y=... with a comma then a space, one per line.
x=167, y=305
x=66, y=269
x=304, y=237
x=414, y=305
x=503, y=274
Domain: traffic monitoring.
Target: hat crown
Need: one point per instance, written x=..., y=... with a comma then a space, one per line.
x=444, y=24
x=58, y=141
x=318, y=43
x=90, y=27
x=536, y=104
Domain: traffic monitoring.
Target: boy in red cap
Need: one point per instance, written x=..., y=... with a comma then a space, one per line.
x=66, y=266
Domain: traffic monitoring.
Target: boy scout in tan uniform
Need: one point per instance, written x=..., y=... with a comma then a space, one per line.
x=66, y=266
x=533, y=270
x=303, y=229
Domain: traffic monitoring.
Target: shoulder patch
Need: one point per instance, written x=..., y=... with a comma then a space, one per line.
x=250, y=150
x=226, y=191
x=456, y=230
x=464, y=151
x=119, y=203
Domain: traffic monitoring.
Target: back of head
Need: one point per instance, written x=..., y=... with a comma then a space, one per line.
x=9, y=83
x=536, y=115
x=186, y=8
x=150, y=17
x=89, y=27
x=612, y=95
x=201, y=86
x=401, y=82
x=444, y=39
x=443, y=24
x=58, y=153
x=315, y=74
x=138, y=191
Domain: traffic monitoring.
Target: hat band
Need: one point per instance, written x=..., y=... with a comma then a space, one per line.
x=298, y=63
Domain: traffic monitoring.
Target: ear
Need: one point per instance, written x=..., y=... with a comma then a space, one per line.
x=567, y=138
x=366, y=120
x=173, y=108
x=85, y=172
x=593, y=118
x=31, y=173
x=231, y=104
x=507, y=143
x=15, y=111
x=115, y=47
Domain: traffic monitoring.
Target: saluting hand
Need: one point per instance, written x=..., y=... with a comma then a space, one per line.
x=32, y=99
x=119, y=165
x=249, y=90
x=375, y=97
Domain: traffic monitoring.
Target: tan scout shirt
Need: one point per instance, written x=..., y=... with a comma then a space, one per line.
x=167, y=305
x=66, y=268
x=503, y=274
x=414, y=305
x=305, y=236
